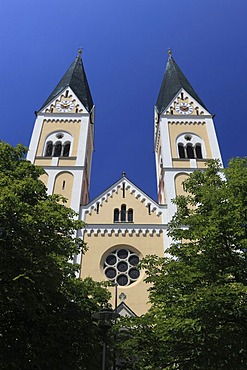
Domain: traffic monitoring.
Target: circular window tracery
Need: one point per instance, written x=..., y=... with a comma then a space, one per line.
x=120, y=266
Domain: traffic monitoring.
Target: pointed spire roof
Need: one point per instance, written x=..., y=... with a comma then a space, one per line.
x=173, y=81
x=75, y=78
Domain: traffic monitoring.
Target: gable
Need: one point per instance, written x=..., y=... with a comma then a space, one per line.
x=101, y=210
x=183, y=100
x=65, y=102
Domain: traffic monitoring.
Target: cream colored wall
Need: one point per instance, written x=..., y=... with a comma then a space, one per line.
x=99, y=246
x=64, y=161
x=42, y=162
x=105, y=215
x=49, y=126
x=198, y=129
x=66, y=190
x=67, y=161
x=44, y=178
x=179, y=179
x=185, y=163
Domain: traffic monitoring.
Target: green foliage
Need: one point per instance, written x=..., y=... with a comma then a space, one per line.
x=198, y=318
x=45, y=310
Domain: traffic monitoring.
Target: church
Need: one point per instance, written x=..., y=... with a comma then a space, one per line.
x=123, y=224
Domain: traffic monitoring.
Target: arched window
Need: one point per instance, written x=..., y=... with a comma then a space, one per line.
x=116, y=215
x=66, y=149
x=190, y=151
x=181, y=151
x=57, y=149
x=198, y=150
x=190, y=145
x=49, y=149
x=123, y=212
x=58, y=144
x=130, y=215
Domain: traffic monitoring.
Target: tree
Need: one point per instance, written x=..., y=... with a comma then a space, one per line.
x=198, y=318
x=45, y=310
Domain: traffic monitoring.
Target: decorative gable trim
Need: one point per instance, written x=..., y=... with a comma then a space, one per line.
x=181, y=96
x=51, y=106
x=133, y=189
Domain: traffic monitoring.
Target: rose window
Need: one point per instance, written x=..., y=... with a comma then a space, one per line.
x=120, y=266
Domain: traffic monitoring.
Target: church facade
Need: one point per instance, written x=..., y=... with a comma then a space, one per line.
x=123, y=224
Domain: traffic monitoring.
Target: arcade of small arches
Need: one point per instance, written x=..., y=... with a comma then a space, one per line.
x=190, y=146
x=58, y=145
x=123, y=214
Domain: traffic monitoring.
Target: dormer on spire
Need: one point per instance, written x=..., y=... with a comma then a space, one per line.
x=75, y=78
x=173, y=81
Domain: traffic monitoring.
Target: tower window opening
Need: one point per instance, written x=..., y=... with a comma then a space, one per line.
x=190, y=151
x=181, y=151
x=123, y=212
x=66, y=93
x=49, y=149
x=123, y=189
x=66, y=149
x=63, y=186
x=149, y=209
x=198, y=150
x=58, y=144
x=57, y=149
x=97, y=208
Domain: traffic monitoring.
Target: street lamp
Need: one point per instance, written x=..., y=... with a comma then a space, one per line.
x=105, y=317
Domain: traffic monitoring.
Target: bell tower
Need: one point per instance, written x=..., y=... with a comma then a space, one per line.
x=62, y=141
x=184, y=134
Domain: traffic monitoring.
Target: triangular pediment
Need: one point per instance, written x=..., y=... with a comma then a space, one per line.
x=124, y=311
x=123, y=192
x=183, y=104
x=65, y=102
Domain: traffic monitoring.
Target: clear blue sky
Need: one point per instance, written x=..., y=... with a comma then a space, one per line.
x=125, y=52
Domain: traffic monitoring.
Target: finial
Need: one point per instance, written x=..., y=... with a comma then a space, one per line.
x=79, y=51
x=123, y=174
x=122, y=297
x=170, y=52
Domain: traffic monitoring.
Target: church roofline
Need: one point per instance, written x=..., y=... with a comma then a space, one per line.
x=114, y=188
x=75, y=78
x=173, y=81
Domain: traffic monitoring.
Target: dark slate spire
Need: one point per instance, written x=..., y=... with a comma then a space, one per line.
x=75, y=78
x=173, y=81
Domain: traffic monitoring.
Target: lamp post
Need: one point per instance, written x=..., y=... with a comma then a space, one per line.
x=105, y=316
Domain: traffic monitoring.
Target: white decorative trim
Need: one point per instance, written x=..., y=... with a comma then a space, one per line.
x=35, y=138
x=213, y=140
x=123, y=230
x=138, y=194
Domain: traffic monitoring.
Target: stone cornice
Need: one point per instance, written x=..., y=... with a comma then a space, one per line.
x=124, y=229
